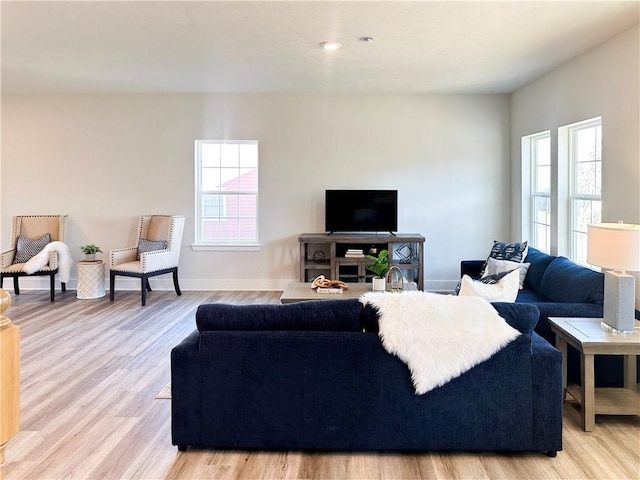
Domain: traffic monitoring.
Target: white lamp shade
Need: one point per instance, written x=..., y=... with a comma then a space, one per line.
x=614, y=245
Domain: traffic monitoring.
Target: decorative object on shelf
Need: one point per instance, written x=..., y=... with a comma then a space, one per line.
x=405, y=253
x=318, y=256
x=323, y=283
x=394, y=279
x=90, y=251
x=380, y=266
x=616, y=246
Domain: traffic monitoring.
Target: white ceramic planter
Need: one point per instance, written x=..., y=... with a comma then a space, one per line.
x=379, y=284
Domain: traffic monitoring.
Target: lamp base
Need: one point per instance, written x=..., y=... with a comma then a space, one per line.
x=619, y=301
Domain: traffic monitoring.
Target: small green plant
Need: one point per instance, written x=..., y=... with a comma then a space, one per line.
x=380, y=263
x=90, y=249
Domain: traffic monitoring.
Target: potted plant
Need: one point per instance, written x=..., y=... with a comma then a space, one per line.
x=90, y=251
x=380, y=266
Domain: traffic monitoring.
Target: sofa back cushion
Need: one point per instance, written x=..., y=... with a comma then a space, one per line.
x=318, y=315
x=565, y=281
x=539, y=262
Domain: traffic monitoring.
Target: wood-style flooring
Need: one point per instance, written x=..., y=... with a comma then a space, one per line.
x=91, y=370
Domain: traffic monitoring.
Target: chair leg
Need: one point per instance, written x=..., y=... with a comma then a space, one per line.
x=143, y=290
x=63, y=286
x=16, y=287
x=175, y=282
x=148, y=285
x=52, y=286
x=112, y=281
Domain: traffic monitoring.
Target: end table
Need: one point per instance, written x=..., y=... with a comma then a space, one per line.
x=590, y=337
x=90, y=279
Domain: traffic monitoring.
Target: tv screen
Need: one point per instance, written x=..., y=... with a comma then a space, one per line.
x=361, y=210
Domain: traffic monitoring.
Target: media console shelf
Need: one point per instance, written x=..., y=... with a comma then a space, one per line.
x=324, y=253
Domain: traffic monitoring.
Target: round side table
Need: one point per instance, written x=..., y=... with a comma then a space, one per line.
x=90, y=279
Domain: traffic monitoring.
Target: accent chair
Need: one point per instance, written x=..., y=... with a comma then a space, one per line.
x=157, y=252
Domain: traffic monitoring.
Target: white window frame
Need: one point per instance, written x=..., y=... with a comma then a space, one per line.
x=231, y=244
x=576, y=235
x=538, y=194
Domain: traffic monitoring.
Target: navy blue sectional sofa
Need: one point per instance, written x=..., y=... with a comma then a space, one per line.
x=314, y=375
x=562, y=288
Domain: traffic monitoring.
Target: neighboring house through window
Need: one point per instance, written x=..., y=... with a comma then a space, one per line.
x=226, y=193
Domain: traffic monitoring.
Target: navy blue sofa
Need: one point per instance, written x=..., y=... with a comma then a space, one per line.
x=314, y=375
x=562, y=288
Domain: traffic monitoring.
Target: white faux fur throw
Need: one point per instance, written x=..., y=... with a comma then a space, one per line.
x=39, y=261
x=439, y=337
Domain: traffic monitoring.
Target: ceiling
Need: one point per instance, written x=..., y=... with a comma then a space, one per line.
x=273, y=46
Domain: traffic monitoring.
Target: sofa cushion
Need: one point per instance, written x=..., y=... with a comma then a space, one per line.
x=539, y=262
x=526, y=295
x=566, y=281
x=521, y=316
x=317, y=315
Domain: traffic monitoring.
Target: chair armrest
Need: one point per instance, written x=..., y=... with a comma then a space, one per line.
x=158, y=260
x=473, y=268
x=122, y=255
x=7, y=257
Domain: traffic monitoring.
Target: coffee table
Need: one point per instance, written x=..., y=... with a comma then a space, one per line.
x=300, y=292
x=590, y=337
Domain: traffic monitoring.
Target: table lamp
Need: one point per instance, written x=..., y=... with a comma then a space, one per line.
x=616, y=247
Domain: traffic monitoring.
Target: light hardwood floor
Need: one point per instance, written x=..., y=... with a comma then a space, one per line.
x=91, y=370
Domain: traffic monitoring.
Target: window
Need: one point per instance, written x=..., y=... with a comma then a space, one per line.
x=226, y=192
x=585, y=182
x=540, y=155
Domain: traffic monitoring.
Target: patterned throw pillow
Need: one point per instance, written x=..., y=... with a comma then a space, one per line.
x=494, y=267
x=145, y=245
x=27, y=248
x=514, y=252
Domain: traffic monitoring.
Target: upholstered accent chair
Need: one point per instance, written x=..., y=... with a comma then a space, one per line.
x=157, y=253
x=28, y=237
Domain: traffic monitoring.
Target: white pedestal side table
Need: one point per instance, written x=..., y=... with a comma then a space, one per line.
x=90, y=279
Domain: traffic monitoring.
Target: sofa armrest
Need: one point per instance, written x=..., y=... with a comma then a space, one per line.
x=548, y=395
x=186, y=379
x=473, y=268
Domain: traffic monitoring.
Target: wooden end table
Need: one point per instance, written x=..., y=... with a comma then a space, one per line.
x=590, y=337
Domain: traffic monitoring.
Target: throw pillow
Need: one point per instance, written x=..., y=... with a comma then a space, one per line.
x=145, y=246
x=495, y=267
x=488, y=279
x=27, y=248
x=506, y=290
x=515, y=252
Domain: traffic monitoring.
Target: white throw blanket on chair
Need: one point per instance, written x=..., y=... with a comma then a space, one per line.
x=39, y=261
x=439, y=337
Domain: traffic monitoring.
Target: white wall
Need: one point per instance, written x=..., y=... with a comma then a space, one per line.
x=105, y=159
x=605, y=82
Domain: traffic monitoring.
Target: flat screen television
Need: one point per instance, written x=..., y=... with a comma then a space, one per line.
x=361, y=211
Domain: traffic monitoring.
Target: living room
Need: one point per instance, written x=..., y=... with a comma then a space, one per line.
x=92, y=138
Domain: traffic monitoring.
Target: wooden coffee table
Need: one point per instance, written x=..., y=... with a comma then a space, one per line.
x=590, y=337
x=300, y=292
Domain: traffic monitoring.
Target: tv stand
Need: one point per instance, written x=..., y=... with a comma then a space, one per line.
x=324, y=254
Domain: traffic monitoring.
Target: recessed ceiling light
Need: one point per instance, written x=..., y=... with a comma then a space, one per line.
x=330, y=45
x=366, y=39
